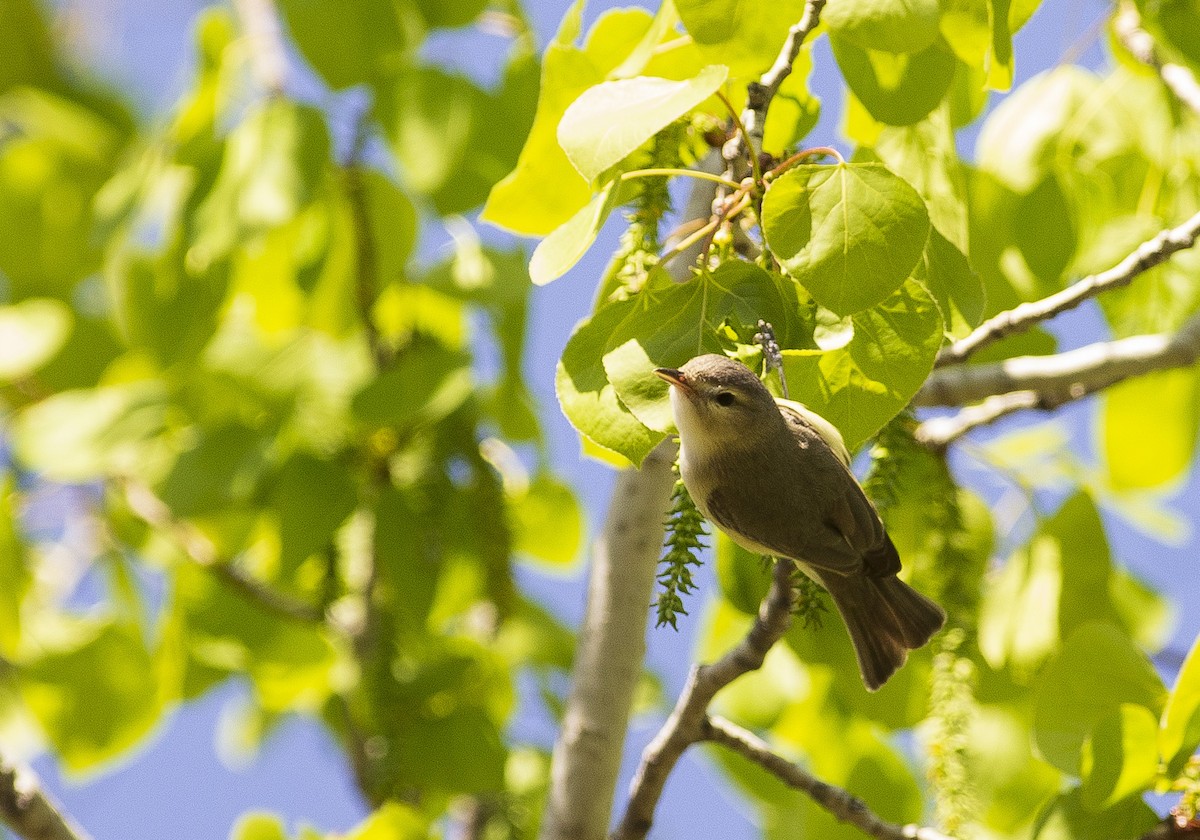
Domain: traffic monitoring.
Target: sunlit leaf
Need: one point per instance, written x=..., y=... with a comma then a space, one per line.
x=861, y=386
x=611, y=120
x=896, y=88
x=95, y=698
x=31, y=332
x=850, y=233
x=1097, y=670
x=667, y=327
x=1180, y=733
x=891, y=25
x=565, y=246
x=1118, y=758
x=586, y=396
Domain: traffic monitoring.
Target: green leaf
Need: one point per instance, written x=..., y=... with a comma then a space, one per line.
x=896, y=88
x=453, y=140
x=87, y=434
x=567, y=71
x=898, y=26
x=425, y=384
x=1174, y=25
x=258, y=825
x=96, y=697
x=588, y=399
x=861, y=386
x=1044, y=229
x=15, y=576
x=223, y=631
x=1052, y=114
x=1167, y=402
x=1066, y=817
x=547, y=522
x=850, y=233
x=1180, y=733
x=1064, y=577
x=955, y=286
x=744, y=34
x=1097, y=670
x=312, y=497
x=669, y=326
x=450, y=13
x=219, y=471
x=744, y=577
x=353, y=43
x=393, y=222
x=557, y=253
x=31, y=332
x=1118, y=759
x=391, y=821
x=610, y=121
x=924, y=154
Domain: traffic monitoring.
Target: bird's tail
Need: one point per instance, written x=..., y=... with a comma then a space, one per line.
x=886, y=618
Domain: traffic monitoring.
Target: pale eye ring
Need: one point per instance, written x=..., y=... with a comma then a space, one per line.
x=726, y=398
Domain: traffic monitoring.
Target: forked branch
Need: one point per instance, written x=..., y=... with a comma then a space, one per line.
x=688, y=722
x=844, y=805
x=1020, y=318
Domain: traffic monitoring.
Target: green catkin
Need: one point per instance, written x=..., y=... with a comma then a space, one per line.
x=685, y=527
x=952, y=575
x=1186, y=811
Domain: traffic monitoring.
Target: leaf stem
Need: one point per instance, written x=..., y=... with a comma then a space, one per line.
x=686, y=173
x=751, y=152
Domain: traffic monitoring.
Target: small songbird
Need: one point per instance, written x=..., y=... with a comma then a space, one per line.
x=775, y=477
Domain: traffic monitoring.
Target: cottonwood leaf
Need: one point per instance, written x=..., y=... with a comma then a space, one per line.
x=850, y=233
x=610, y=121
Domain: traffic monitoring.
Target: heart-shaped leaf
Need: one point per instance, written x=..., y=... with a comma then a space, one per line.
x=611, y=120
x=851, y=234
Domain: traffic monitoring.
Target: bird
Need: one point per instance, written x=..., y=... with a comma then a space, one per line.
x=775, y=477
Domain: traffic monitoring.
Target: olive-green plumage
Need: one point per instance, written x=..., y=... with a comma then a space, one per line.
x=775, y=477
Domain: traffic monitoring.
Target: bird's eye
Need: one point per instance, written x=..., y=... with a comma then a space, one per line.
x=726, y=398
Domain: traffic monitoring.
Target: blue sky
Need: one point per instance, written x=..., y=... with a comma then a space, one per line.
x=178, y=785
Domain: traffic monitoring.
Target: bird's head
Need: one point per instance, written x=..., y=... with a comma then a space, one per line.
x=715, y=398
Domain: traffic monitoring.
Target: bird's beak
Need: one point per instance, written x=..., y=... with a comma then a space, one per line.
x=675, y=377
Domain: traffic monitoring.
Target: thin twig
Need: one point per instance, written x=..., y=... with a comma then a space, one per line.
x=1179, y=79
x=840, y=803
x=1065, y=376
x=687, y=723
x=28, y=811
x=367, y=259
x=200, y=550
x=264, y=40
x=759, y=94
x=1024, y=316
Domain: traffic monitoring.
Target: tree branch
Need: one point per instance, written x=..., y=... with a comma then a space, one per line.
x=264, y=39
x=842, y=804
x=28, y=811
x=197, y=547
x=612, y=643
x=688, y=722
x=940, y=432
x=760, y=93
x=1026, y=315
x=1065, y=376
x=1179, y=79
x=366, y=255
x=612, y=646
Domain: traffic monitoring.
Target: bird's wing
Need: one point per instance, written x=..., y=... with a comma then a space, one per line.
x=798, y=413
x=751, y=528
x=851, y=513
